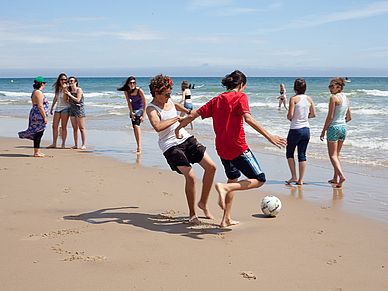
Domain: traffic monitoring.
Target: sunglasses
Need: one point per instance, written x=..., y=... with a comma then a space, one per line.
x=71, y=81
x=332, y=86
x=65, y=80
x=168, y=95
x=132, y=82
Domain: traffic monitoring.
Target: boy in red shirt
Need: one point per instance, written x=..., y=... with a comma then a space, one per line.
x=228, y=111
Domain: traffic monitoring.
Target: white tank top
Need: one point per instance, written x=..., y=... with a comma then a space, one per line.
x=301, y=113
x=167, y=138
x=61, y=103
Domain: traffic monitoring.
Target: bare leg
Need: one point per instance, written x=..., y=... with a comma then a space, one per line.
x=75, y=131
x=137, y=132
x=285, y=103
x=188, y=172
x=291, y=165
x=64, y=120
x=302, y=169
x=334, y=152
x=207, y=181
x=81, y=126
x=226, y=192
x=56, y=119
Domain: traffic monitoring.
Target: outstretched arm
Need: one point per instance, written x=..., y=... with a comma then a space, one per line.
x=185, y=121
x=274, y=139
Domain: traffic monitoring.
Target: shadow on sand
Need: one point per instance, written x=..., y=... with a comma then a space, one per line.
x=166, y=222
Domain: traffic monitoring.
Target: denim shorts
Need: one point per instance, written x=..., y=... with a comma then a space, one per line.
x=138, y=113
x=65, y=110
x=188, y=106
x=245, y=163
x=298, y=138
x=336, y=132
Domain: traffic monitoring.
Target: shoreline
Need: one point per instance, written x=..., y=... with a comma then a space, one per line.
x=81, y=221
x=362, y=194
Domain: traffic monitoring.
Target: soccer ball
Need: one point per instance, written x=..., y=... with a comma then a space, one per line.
x=271, y=205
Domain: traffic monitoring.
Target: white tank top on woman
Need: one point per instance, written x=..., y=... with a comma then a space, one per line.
x=61, y=103
x=167, y=138
x=301, y=113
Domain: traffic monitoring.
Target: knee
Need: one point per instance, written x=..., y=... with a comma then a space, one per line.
x=211, y=168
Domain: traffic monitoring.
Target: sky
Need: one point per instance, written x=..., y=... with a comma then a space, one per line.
x=194, y=38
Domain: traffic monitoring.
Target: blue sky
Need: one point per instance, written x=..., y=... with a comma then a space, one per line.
x=194, y=38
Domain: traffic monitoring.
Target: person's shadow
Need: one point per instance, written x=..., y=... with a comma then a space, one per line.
x=165, y=222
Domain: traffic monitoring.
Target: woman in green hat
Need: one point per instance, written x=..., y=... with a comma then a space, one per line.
x=38, y=116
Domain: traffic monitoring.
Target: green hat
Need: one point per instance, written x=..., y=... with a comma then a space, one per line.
x=39, y=79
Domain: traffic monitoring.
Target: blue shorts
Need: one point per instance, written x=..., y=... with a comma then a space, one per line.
x=138, y=113
x=245, y=163
x=65, y=110
x=298, y=138
x=336, y=133
x=188, y=106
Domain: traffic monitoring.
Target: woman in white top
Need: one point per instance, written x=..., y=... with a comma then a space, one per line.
x=301, y=108
x=61, y=112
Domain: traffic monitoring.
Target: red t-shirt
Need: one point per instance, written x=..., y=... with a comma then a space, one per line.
x=227, y=111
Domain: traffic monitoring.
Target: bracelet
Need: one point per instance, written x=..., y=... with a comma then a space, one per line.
x=189, y=111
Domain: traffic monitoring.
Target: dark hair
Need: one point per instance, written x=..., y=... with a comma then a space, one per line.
x=184, y=85
x=300, y=86
x=159, y=83
x=37, y=85
x=234, y=79
x=57, y=84
x=339, y=81
x=76, y=81
x=125, y=86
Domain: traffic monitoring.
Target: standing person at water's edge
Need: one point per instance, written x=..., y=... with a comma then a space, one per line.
x=136, y=103
x=301, y=108
x=228, y=111
x=61, y=112
x=77, y=111
x=179, y=153
x=338, y=115
x=38, y=116
x=186, y=99
x=282, y=98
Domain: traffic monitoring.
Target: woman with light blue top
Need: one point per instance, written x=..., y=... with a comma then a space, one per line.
x=301, y=108
x=337, y=117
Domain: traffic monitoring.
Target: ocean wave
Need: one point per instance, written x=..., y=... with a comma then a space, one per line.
x=375, y=92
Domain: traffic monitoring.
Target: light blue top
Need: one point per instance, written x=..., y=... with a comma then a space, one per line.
x=339, y=117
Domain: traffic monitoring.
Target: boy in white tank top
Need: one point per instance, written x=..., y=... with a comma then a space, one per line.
x=179, y=153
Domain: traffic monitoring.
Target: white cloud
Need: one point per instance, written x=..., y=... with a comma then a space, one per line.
x=199, y=4
x=374, y=9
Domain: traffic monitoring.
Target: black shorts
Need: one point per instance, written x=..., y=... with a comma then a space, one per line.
x=190, y=151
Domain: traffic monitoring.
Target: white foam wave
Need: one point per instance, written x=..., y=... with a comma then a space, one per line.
x=375, y=92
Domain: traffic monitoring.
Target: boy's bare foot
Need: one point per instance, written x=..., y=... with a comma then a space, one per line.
x=222, y=193
x=74, y=147
x=229, y=222
x=205, y=210
x=39, y=155
x=83, y=148
x=194, y=220
x=332, y=181
x=51, y=146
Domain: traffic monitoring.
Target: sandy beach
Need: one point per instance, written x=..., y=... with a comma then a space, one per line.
x=81, y=221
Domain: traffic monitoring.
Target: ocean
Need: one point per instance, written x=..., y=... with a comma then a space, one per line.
x=106, y=109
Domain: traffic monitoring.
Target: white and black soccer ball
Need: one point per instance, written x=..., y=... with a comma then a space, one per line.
x=271, y=205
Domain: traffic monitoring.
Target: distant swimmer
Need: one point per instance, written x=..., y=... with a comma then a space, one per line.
x=282, y=98
x=347, y=80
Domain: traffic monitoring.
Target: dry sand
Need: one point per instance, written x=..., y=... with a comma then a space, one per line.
x=77, y=221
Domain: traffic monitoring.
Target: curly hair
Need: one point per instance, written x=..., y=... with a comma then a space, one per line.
x=234, y=79
x=159, y=83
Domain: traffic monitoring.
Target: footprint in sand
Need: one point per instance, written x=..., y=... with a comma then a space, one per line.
x=77, y=256
x=325, y=207
x=318, y=231
x=331, y=262
x=67, y=190
x=248, y=275
x=167, y=194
